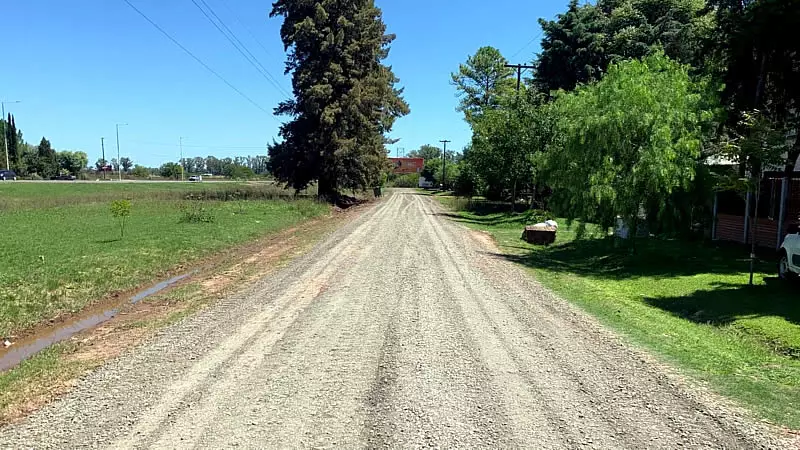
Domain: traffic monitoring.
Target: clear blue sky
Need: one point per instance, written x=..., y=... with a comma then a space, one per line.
x=80, y=67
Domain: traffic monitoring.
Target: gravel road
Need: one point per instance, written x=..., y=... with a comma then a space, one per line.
x=401, y=329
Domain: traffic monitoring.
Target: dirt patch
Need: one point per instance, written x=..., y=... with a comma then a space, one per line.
x=484, y=238
x=215, y=277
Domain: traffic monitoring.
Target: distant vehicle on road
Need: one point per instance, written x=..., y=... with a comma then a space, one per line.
x=6, y=175
x=64, y=178
x=208, y=174
x=196, y=178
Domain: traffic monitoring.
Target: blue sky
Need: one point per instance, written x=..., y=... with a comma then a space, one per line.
x=80, y=67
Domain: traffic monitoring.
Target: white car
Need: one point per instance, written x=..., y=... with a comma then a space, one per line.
x=196, y=178
x=789, y=263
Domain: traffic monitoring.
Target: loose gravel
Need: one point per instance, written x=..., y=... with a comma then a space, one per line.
x=402, y=329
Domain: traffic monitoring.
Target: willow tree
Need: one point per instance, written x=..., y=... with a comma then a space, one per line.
x=629, y=140
x=345, y=99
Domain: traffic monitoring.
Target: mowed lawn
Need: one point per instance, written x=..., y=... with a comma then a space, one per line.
x=687, y=302
x=57, y=259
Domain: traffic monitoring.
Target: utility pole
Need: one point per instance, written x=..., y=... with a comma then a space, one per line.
x=519, y=68
x=444, y=162
x=119, y=166
x=183, y=166
x=103, y=146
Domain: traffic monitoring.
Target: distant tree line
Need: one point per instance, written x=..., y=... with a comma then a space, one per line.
x=37, y=160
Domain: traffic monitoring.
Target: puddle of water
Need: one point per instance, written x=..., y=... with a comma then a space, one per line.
x=28, y=347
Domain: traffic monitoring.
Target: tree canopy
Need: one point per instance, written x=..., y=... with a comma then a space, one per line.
x=627, y=140
x=345, y=99
x=481, y=81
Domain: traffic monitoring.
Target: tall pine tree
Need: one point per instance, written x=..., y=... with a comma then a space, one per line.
x=345, y=99
x=13, y=144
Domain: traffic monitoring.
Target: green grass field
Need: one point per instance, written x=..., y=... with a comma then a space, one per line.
x=687, y=302
x=62, y=248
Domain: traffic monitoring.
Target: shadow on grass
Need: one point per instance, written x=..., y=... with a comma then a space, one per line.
x=107, y=241
x=491, y=220
x=601, y=258
x=727, y=303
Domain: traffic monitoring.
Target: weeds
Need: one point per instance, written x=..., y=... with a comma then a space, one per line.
x=196, y=212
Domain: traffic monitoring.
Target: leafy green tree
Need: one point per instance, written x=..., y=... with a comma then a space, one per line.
x=126, y=163
x=239, y=172
x=426, y=152
x=630, y=139
x=345, y=98
x=121, y=210
x=72, y=162
x=171, y=170
x=481, y=81
x=140, y=171
x=506, y=142
x=579, y=45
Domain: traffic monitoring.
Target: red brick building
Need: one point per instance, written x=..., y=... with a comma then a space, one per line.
x=404, y=166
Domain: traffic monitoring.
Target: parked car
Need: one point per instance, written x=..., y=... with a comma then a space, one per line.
x=196, y=178
x=64, y=178
x=7, y=175
x=789, y=262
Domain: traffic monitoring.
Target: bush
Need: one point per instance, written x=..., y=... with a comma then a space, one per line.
x=140, y=172
x=404, y=181
x=194, y=212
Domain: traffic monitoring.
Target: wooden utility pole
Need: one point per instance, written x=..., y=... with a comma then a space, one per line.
x=444, y=162
x=519, y=68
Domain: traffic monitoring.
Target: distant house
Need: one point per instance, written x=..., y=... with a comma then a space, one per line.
x=403, y=166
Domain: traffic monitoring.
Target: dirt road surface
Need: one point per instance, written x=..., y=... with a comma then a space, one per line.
x=402, y=329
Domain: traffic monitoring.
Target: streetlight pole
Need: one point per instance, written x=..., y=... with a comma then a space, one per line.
x=119, y=164
x=183, y=166
x=5, y=132
x=103, y=148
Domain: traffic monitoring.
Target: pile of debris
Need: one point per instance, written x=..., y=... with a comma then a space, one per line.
x=541, y=234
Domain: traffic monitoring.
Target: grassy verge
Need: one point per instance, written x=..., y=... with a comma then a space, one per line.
x=58, y=259
x=687, y=302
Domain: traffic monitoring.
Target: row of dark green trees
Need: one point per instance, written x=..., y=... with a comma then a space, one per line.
x=637, y=109
x=36, y=160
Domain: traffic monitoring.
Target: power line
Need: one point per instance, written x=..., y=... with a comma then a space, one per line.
x=220, y=147
x=206, y=66
x=249, y=31
x=219, y=24
x=527, y=45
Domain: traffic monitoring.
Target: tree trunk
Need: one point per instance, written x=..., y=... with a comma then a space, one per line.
x=326, y=189
x=514, y=197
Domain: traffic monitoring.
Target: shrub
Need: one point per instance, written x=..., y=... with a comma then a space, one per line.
x=194, y=212
x=404, y=181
